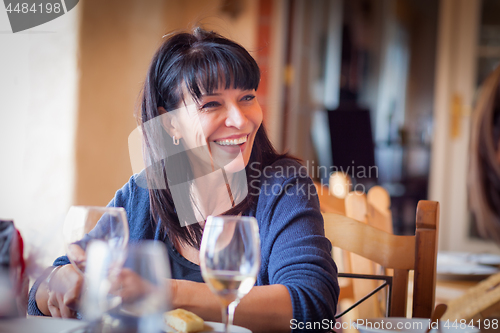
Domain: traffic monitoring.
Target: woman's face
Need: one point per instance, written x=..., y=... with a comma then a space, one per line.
x=225, y=123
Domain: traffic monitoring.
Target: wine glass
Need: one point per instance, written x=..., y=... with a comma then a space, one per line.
x=141, y=285
x=86, y=223
x=230, y=260
x=99, y=274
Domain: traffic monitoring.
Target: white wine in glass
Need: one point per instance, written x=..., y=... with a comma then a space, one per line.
x=230, y=260
x=86, y=223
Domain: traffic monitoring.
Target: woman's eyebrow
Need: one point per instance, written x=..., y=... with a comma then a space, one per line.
x=212, y=94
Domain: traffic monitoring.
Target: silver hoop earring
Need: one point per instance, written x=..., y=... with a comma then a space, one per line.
x=176, y=141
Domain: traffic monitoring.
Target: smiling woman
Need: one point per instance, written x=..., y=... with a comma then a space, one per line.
x=204, y=145
x=225, y=121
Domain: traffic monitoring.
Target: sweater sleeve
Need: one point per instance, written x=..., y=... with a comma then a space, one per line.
x=298, y=254
x=33, y=309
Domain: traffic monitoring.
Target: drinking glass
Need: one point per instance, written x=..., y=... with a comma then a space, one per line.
x=230, y=260
x=100, y=271
x=86, y=223
x=131, y=298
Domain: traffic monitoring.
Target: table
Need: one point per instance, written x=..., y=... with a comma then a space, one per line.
x=447, y=290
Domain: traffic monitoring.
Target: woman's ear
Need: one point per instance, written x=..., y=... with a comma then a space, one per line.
x=169, y=122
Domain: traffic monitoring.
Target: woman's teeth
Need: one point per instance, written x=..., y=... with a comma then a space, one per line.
x=232, y=142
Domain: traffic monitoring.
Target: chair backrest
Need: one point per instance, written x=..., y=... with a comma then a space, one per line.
x=374, y=209
x=401, y=253
x=340, y=184
x=379, y=197
x=378, y=209
x=356, y=208
x=332, y=197
x=327, y=202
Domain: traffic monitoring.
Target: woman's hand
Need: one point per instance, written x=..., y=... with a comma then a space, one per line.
x=77, y=255
x=130, y=286
x=63, y=291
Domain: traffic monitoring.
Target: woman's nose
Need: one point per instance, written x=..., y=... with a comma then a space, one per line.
x=235, y=117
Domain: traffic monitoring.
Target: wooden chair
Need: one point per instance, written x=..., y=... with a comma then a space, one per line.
x=379, y=209
x=332, y=197
x=356, y=207
x=401, y=253
x=340, y=184
x=374, y=210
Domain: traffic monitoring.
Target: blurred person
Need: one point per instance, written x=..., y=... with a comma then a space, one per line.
x=207, y=153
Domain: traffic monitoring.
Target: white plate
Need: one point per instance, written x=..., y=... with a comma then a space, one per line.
x=213, y=327
x=462, y=265
x=446, y=257
x=465, y=271
x=41, y=325
x=486, y=259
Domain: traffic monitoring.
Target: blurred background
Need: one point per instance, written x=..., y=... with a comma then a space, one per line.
x=404, y=73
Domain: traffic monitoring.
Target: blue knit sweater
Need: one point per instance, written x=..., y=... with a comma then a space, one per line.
x=294, y=251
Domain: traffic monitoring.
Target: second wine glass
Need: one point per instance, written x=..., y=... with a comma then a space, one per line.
x=230, y=260
x=129, y=298
x=86, y=223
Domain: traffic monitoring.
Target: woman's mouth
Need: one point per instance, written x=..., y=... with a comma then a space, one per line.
x=225, y=151
x=232, y=142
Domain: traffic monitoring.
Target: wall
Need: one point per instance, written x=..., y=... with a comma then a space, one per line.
x=118, y=39
x=38, y=86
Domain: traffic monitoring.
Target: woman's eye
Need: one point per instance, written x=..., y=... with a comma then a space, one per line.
x=248, y=98
x=210, y=105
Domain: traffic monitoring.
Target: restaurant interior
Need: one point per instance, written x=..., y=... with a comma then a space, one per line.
x=378, y=98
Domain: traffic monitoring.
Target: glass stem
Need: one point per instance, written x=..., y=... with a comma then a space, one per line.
x=228, y=315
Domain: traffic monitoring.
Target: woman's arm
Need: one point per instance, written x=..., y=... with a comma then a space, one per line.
x=42, y=298
x=263, y=309
x=131, y=197
x=296, y=253
x=60, y=300
x=60, y=297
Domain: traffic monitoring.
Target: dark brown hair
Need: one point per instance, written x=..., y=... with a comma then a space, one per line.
x=202, y=61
